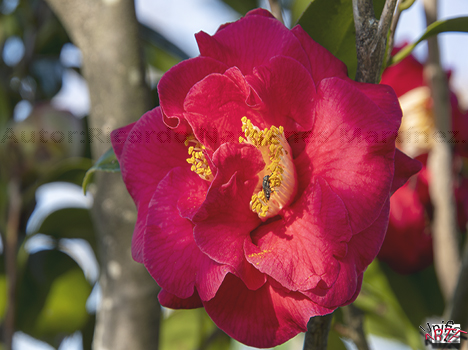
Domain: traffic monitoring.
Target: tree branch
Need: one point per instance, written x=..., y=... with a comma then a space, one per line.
x=107, y=33
x=444, y=229
x=371, y=38
x=316, y=337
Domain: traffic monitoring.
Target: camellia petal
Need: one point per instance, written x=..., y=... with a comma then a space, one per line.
x=356, y=154
x=174, y=260
x=150, y=151
x=322, y=63
x=171, y=301
x=302, y=249
x=263, y=318
x=174, y=86
x=271, y=82
x=251, y=42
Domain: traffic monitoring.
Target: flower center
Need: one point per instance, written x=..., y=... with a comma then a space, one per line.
x=417, y=124
x=277, y=182
x=198, y=160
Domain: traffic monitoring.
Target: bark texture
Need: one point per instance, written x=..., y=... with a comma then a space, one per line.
x=106, y=31
x=371, y=38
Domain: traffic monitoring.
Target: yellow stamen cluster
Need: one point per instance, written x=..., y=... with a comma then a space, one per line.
x=198, y=160
x=276, y=154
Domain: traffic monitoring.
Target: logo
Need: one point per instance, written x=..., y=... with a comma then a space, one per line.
x=443, y=335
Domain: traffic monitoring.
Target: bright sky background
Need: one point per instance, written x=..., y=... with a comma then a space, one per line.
x=179, y=20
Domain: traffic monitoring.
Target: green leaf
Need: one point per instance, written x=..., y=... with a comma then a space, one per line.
x=52, y=296
x=405, y=4
x=418, y=294
x=384, y=315
x=331, y=24
x=160, y=58
x=191, y=329
x=334, y=341
x=459, y=24
x=70, y=223
x=108, y=163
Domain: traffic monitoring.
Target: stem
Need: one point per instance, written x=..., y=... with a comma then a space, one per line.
x=14, y=212
x=444, y=229
x=391, y=37
x=316, y=337
x=371, y=38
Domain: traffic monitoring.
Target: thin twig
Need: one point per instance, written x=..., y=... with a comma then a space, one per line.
x=391, y=36
x=14, y=212
x=276, y=10
x=444, y=230
x=316, y=337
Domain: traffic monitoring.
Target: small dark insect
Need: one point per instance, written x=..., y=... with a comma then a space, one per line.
x=266, y=187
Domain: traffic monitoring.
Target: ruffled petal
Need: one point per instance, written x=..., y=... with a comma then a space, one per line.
x=279, y=104
x=150, y=152
x=176, y=83
x=214, y=108
x=170, y=253
x=169, y=300
x=251, y=42
x=225, y=219
x=322, y=63
x=263, y=318
x=353, y=147
x=223, y=222
x=302, y=249
x=362, y=249
x=405, y=167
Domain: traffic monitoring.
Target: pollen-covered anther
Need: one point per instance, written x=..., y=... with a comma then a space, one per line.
x=198, y=160
x=278, y=178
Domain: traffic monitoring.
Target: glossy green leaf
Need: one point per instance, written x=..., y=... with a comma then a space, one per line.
x=70, y=223
x=52, y=296
x=418, y=294
x=192, y=329
x=107, y=162
x=405, y=4
x=160, y=58
x=384, y=315
x=459, y=24
x=331, y=24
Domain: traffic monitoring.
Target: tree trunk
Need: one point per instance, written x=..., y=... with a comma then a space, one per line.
x=107, y=33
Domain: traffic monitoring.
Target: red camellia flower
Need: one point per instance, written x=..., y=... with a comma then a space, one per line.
x=408, y=244
x=263, y=180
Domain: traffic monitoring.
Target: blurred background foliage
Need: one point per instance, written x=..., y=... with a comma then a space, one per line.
x=53, y=287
